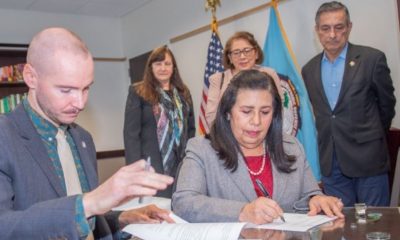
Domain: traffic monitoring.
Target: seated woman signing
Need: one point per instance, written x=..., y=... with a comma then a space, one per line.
x=218, y=178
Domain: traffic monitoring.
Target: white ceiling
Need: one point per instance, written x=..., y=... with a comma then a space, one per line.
x=101, y=8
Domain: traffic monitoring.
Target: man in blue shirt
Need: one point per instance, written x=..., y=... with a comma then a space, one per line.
x=353, y=100
x=51, y=192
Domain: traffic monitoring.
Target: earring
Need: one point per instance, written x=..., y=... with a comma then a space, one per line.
x=228, y=117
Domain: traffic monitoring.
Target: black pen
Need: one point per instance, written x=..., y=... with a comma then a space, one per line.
x=266, y=194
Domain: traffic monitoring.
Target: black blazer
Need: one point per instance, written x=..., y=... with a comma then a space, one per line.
x=140, y=133
x=357, y=126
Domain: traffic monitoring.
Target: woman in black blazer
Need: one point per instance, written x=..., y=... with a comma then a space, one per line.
x=159, y=116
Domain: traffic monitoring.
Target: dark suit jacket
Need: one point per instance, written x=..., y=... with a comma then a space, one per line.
x=140, y=134
x=357, y=126
x=33, y=203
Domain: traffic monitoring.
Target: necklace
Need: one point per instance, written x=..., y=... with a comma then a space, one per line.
x=262, y=165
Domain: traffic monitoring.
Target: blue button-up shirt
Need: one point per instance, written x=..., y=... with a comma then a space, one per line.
x=332, y=76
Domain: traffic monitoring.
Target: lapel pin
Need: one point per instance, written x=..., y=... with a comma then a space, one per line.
x=352, y=63
x=83, y=144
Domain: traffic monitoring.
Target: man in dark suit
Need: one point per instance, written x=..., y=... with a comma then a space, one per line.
x=46, y=193
x=352, y=95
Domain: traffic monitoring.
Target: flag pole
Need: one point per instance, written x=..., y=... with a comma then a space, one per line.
x=213, y=64
x=274, y=4
x=212, y=6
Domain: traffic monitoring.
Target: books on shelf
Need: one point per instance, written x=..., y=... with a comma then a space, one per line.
x=12, y=73
x=7, y=104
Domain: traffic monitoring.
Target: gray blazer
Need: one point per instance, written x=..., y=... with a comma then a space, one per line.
x=356, y=128
x=33, y=203
x=207, y=192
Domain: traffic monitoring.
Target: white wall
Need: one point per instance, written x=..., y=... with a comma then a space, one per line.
x=375, y=24
x=103, y=116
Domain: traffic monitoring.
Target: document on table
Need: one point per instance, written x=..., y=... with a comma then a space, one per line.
x=186, y=231
x=295, y=222
x=183, y=230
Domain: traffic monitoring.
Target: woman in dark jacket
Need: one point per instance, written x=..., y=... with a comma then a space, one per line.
x=159, y=116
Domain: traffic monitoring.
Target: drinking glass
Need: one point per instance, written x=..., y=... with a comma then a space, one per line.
x=361, y=211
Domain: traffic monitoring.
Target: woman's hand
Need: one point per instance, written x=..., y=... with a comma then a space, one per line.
x=147, y=214
x=260, y=211
x=331, y=206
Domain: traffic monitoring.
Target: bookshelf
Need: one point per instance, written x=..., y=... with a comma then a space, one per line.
x=7, y=89
x=12, y=87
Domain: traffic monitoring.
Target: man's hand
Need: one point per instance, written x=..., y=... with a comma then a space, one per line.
x=128, y=182
x=147, y=214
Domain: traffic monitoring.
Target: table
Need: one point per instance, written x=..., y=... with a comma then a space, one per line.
x=340, y=229
x=393, y=139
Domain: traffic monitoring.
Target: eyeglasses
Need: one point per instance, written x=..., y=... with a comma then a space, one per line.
x=247, y=52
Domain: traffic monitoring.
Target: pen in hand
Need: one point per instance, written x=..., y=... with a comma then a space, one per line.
x=146, y=168
x=266, y=194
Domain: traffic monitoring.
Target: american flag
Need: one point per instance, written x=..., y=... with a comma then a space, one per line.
x=214, y=64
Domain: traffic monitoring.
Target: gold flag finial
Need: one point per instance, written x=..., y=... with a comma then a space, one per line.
x=212, y=5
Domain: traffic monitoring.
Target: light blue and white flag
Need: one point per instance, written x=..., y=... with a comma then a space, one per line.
x=279, y=56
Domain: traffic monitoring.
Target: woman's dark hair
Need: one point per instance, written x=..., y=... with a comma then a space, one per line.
x=147, y=88
x=247, y=37
x=221, y=135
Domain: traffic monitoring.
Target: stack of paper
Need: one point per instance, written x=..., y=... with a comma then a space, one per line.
x=186, y=231
x=220, y=231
